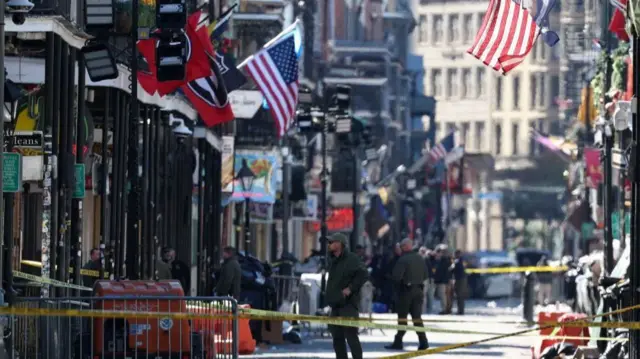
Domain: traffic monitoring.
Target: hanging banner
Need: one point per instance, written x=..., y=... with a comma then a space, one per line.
x=593, y=167
x=227, y=164
x=264, y=166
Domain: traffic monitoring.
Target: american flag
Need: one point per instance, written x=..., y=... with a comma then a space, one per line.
x=275, y=71
x=440, y=150
x=507, y=34
x=620, y=5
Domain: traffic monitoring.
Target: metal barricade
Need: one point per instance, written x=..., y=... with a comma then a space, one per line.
x=97, y=328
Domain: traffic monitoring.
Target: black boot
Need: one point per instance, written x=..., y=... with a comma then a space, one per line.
x=396, y=345
x=423, y=343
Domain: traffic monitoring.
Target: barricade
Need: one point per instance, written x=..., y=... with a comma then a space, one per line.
x=118, y=337
x=287, y=289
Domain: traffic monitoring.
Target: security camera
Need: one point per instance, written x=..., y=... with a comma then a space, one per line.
x=18, y=9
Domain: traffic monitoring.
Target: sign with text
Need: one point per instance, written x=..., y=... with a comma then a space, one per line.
x=245, y=103
x=11, y=172
x=79, y=183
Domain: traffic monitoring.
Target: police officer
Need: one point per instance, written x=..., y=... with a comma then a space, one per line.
x=347, y=275
x=229, y=283
x=409, y=274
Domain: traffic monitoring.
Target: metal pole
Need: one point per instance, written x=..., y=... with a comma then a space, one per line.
x=247, y=226
x=355, y=233
x=77, y=212
x=45, y=271
x=608, y=144
x=55, y=149
x=104, y=200
x=324, y=178
x=634, y=337
x=145, y=242
x=133, y=225
x=286, y=179
x=2, y=80
x=61, y=263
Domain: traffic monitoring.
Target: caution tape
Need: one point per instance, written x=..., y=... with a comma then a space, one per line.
x=50, y=281
x=516, y=270
x=86, y=272
x=445, y=348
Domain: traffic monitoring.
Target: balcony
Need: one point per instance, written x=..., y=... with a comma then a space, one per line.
x=64, y=8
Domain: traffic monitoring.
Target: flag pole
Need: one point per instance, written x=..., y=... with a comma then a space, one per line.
x=278, y=37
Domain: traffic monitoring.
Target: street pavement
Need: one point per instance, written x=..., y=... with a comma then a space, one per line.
x=480, y=317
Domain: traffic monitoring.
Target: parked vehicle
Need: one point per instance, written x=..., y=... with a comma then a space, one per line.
x=491, y=285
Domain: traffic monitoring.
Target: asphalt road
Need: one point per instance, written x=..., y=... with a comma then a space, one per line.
x=481, y=317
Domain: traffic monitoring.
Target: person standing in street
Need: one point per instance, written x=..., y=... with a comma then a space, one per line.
x=545, y=280
x=409, y=274
x=347, y=275
x=93, y=265
x=230, y=275
x=179, y=270
x=460, y=285
x=442, y=277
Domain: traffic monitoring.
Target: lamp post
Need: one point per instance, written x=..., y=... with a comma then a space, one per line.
x=246, y=176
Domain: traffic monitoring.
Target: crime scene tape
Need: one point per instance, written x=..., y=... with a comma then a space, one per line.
x=516, y=270
x=87, y=272
x=53, y=282
x=445, y=348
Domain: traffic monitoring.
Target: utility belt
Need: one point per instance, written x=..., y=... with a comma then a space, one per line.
x=413, y=286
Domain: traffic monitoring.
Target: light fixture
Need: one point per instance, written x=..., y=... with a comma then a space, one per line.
x=343, y=124
x=99, y=13
x=245, y=176
x=171, y=57
x=178, y=127
x=99, y=62
x=622, y=115
x=171, y=14
x=401, y=169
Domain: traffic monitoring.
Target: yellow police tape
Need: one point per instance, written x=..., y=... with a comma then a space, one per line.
x=50, y=281
x=501, y=270
x=87, y=272
x=516, y=270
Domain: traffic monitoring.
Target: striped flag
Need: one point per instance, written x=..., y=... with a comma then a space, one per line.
x=620, y=5
x=507, y=35
x=275, y=70
x=441, y=149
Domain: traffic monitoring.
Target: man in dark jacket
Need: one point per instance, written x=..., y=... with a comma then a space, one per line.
x=409, y=275
x=460, y=285
x=93, y=265
x=347, y=275
x=179, y=270
x=442, y=277
x=230, y=275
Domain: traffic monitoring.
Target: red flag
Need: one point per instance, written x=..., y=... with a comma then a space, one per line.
x=197, y=66
x=616, y=25
x=506, y=36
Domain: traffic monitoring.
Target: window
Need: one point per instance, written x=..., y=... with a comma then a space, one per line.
x=514, y=138
x=555, y=87
x=498, y=93
x=465, y=91
x=438, y=29
x=482, y=85
x=436, y=83
x=543, y=98
x=479, y=136
x=467, y=30
x=465, y=133
x=452, y=83
x=454, y=29
x=498, y=139
x=534, y=90
x=422, y=28
x=516, y=93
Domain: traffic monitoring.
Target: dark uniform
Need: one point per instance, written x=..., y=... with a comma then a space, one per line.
x=345, y=271
x=409, y=274
x=460, y=285
x=89, y=280
x=230, y=276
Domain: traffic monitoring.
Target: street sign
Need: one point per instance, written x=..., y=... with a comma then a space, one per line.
x=78, y=187
x=11, y=172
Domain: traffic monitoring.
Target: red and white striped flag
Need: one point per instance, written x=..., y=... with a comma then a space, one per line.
x=507, y=34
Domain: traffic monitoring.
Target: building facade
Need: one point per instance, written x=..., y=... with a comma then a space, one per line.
x=491, y=114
